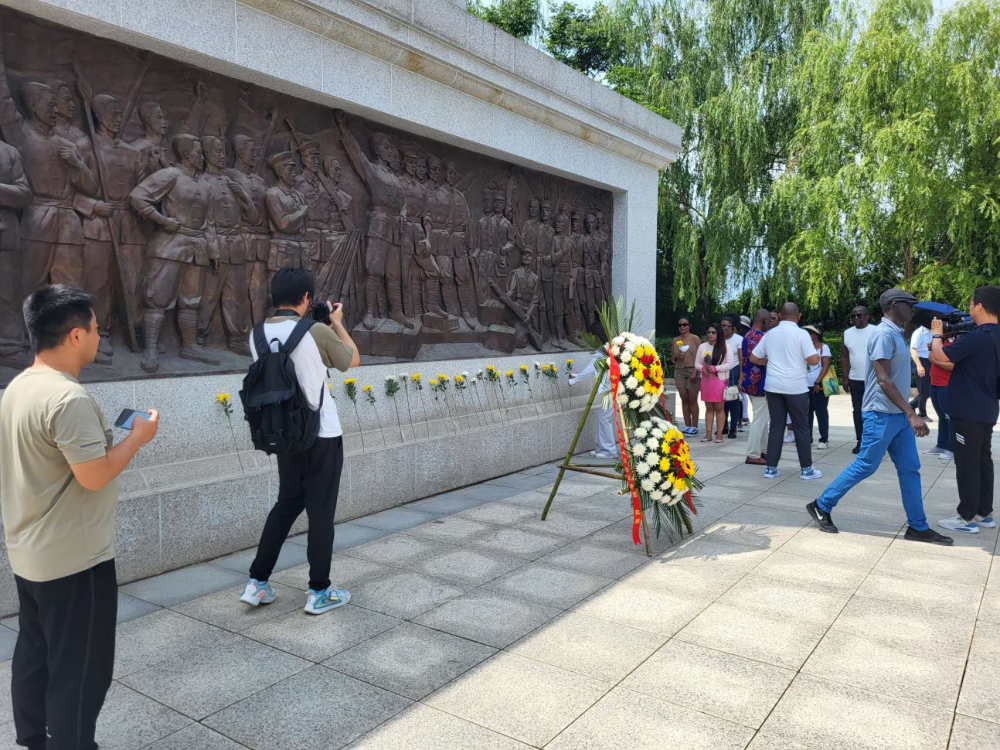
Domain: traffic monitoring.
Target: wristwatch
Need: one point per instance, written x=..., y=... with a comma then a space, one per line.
x=936, y=336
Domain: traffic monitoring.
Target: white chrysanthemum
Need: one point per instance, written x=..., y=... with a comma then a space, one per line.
x=465, y=374
x=479, y=373
x=631, y=383
x=656, y=476
x=653, y=444
x=404, y=375
x=622, y=399
x=657, y=432
x=625, y=370
x=639, y=450
x=647, y=486
x=616, y=350
x=633, y=404
x=642, y=468
x=389, y=378
x=641, y=432
x=472, y=381
x=656, y=495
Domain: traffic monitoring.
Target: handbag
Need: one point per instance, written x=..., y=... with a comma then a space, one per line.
x=732, y=393
x=831, y=386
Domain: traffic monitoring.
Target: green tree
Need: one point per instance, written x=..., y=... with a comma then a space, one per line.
x=519, y=18
x=585, y=40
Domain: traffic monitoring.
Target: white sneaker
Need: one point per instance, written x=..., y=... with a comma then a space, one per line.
x=935, y=451
x=987, y=522
x=946, y=455
x=258, y=592
x=957, y=523
x=822, y=446
x=318, y=602
x=789, y=438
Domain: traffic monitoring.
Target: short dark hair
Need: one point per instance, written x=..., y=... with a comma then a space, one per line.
x=290, y=284
x=989, y=298
x=53, y=311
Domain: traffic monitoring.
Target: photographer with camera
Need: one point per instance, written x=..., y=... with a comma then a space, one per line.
x=974, y=358
x=302, y=429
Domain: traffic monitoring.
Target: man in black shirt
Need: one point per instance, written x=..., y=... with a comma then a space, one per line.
x=974, y=360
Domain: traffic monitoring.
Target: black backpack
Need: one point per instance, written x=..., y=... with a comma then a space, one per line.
x=279, y=414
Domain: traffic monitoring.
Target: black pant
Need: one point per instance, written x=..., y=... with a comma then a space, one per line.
x=64, y=658
x=819, y=408
x=939, y=397
x=972, y=444
x=779, y=407
x=308, y=481
x=857, y=396
x=923, y=388
x=734, y=413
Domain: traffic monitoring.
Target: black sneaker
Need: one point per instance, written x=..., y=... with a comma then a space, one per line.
x=928, y=535
x=857, y=449
x=732, y=434
x=822, y=519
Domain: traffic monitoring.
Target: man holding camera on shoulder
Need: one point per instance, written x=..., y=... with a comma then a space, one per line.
x=974, y=361
x=302, y=429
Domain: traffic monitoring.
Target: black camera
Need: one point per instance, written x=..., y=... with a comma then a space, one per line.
x=320, y=312
x=955, y=321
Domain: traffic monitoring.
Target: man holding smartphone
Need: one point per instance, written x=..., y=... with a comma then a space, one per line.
x=308, y=480
x=58, y=490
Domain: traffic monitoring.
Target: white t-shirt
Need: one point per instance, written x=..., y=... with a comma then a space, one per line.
x=856, y=341
x=310, y=372
x=921, y=341
x=786, y=348
x=812, y=371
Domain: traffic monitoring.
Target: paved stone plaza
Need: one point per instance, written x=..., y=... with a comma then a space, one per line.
x=475, y=625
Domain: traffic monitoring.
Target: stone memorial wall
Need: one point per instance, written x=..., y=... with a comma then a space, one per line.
x=173, y=195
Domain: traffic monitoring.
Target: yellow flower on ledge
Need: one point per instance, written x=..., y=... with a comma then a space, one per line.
x=459, y=379
x=416, y=377
x=367, y=389
x=434, y=382
x=509, y=373
x=223, y=398
x=524, y=368
x=350, y=381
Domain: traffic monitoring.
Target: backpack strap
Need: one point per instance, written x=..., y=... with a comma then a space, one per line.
x=260, y=341
x=301, y=326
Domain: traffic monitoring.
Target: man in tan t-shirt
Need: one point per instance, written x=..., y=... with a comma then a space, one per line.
x=58, y=491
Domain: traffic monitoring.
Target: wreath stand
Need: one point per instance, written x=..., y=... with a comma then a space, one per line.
x=568, y=465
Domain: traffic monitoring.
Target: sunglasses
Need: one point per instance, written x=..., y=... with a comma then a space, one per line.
x=726, y=325
x=683, y=325
x=857, y=315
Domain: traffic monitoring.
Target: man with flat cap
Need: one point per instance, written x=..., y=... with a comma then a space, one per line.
x=322, y=206
x=256, y=234
x=286, y=214
x=179, y=202
x=890, y=424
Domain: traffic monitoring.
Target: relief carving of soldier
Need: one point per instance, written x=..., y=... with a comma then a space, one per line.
x=545, y=243
x=383, y=263
x=123, y=166
x=530, y=233
x=183, y=245
x=14, y=195
x=286, y=214
x=153, y=144
x=524, y=291
x=461, y=264
x=562, y=251
x=51, y=231
x=591, y=269
x=577, y=287
x=232, y=207
x=65, y=111
x=322, y=206
x=419, y=269
x=256, y=235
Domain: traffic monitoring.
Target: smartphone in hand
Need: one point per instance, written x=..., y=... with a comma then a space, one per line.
x=128, y=416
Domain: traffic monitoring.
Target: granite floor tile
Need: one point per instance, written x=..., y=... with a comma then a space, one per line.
x=397, y=519
x=719, y=684
x=974, y=734
x=519, y=697
x=782, y=642
x=399, y=550
x=815, y=713
x=469, y=567
x=929, y=595
x=503, y=514
x=410, y=660
x=442, y=505
x=845, y=547
x=570, y=488
x=520, y=482
x=544, y=584
x=565, y=524
x=178, y=586
x=345, y=571
x=155, y=638
x=534, y=499
x=596, y=559
x=201, y=682
x=588, y=646
x=318, y=638
x=644, y=607
x=290, y=556
x=347, y=535
x=488, y=617
x=195, y=737
x=916, y=674
x=6, y=709
x=348, y=708
x=990, y=608
x=628, y=721
x=806, y=602
x=905, y=562
x=794, y=569
x=130, y=721
x=8, y=639
x=404, y=594
x=225, y=610
x=910, y=625
x=768, y=741
x=421, y=727
x=451, y=529
x=514, y=541
x=130, y=608
x=981, y=684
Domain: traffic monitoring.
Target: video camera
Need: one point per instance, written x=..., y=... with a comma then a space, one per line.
x=955, y=321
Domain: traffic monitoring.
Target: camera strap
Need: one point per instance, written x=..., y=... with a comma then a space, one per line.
x=285, y=313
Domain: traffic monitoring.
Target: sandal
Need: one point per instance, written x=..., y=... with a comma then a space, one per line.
x=719, y=440
x=706, y=439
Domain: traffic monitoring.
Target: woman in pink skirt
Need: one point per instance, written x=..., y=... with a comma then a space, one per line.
x=714, y=361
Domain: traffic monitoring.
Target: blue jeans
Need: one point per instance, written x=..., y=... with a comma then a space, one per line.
x=939, y=397
x=883, y=432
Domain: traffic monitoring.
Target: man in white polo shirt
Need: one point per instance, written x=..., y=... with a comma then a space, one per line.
x=786, y=350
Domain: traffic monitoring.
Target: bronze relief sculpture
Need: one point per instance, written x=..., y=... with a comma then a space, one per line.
x=173, y=195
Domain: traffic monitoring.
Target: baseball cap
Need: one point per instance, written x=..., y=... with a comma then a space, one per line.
x=893, y=296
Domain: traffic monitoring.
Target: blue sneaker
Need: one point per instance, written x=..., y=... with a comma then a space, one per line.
x=987, y=522
x=811, y=473
x=258, y=592
x=771, y=473
x=957, y=523
x=318, y=602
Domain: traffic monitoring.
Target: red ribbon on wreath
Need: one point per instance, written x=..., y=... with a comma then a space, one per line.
x=614, y=370
x=687, y=495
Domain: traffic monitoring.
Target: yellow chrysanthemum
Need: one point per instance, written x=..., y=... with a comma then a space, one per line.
x=416, y=377
x=569, y=361
x=223, y=398
x=679, y=484
x=367, y=388
x=434, y=382
x=664, y=464
x=459, y=379
x=352, y=381
x=509, y=373
x=523, y=368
